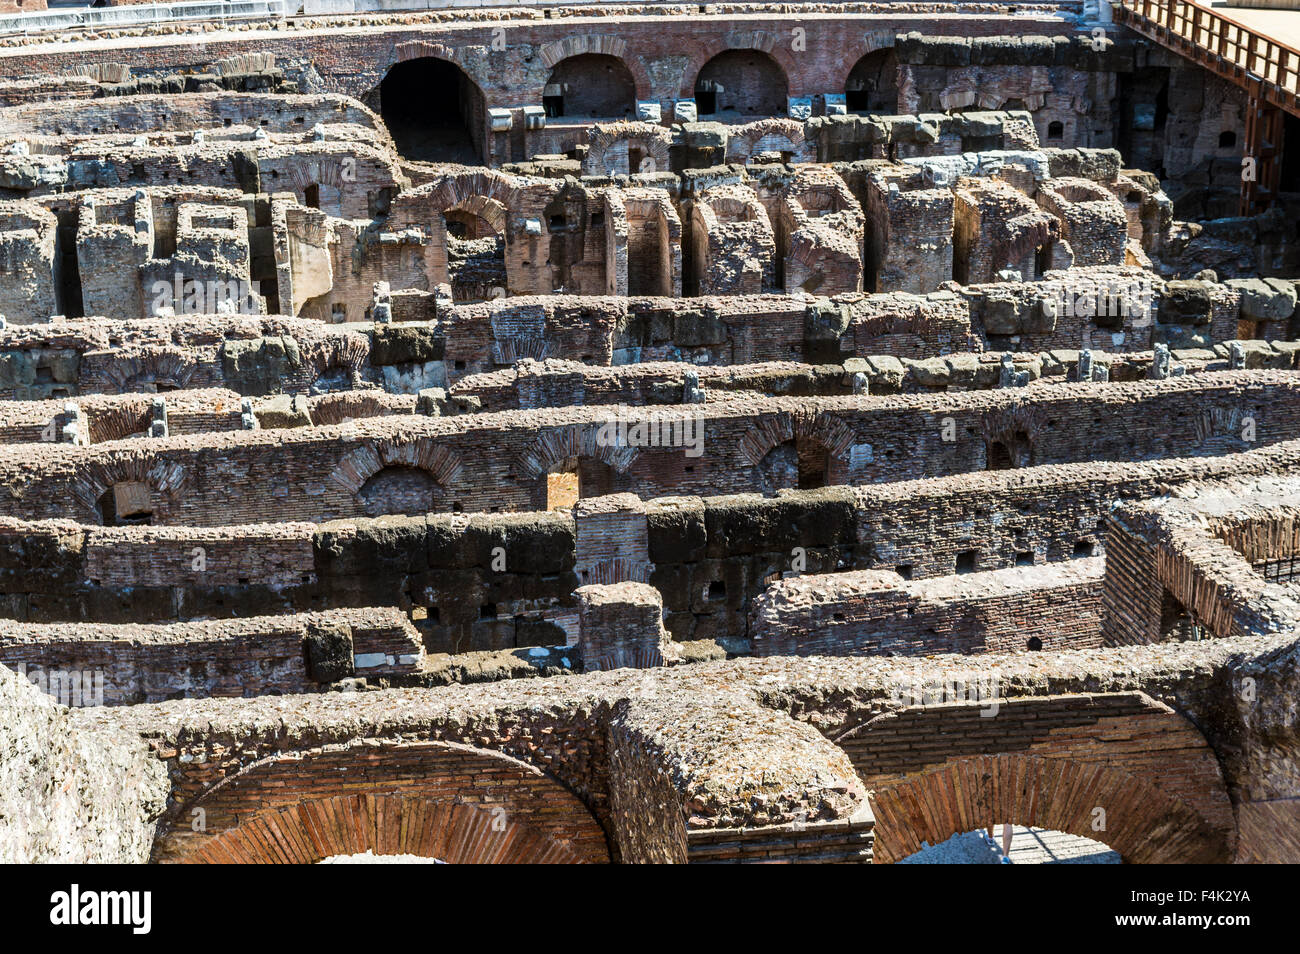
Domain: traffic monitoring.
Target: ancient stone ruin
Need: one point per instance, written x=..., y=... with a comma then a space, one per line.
x=826, y=432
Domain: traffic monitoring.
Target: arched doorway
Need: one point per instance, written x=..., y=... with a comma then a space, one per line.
x=1144, y=824
x=443, y=800
x=434, y=111
x=476, y=249
x=872, y=86
x=741, y=85
x=590, y=86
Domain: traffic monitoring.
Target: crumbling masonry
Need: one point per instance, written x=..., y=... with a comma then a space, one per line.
x=645, y=442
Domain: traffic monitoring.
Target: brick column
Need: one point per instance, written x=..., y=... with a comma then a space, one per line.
x=621, y=626
x=613, y=539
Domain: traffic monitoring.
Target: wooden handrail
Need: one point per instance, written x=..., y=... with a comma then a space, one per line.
x=1271, y=60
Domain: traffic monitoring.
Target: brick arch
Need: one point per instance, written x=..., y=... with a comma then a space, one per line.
x=488, y=209
x=555, y=52
x=1015, y=427
x=740, y=40
x=557, y=445
x=775, y=134
x=816, y=426
x=352, y=472
x=312, y=830
x=452, y=191
x=163, y=477
x=129, y=373
x=444, y=800
x=873, y=41
x=428, y=49
x=351, y=352
x=656, y=141
x=1143, y=823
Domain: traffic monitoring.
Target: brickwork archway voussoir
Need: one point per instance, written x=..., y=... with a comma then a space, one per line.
x=1144, y=824
x=385, y=824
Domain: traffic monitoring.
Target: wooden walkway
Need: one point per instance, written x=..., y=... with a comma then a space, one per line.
x=1258, y=50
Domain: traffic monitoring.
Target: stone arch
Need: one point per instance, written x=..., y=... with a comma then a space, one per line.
x=442, y=800
x=1144, y=824
x=756, y=42
x=370, y=458
x=98, y=477
x=776, y=134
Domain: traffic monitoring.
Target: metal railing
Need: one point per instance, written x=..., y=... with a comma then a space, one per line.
x=1230, y=48
x=143, y=14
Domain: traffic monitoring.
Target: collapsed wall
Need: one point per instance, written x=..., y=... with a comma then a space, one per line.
x=70, y=792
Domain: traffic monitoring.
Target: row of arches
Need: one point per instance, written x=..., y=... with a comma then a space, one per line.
x=1101, y=788
x=437, y=113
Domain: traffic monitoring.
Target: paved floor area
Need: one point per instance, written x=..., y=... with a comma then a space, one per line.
x=1029, y=846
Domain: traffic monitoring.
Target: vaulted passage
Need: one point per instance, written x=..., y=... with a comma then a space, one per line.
x=591, y=85
x=435, y=112
x=872, y=86
x=741, y=85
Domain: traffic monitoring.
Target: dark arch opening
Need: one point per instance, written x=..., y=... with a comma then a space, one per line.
x=591, y=86
x=1000, y=457
x=872, y=86
x=1056, y=129
x=125, y=504
x=1227, y=139
x=476, y=257
x=434, y=111
x=741, y=85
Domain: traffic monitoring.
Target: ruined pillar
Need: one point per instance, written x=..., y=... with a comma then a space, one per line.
x=621, y=626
